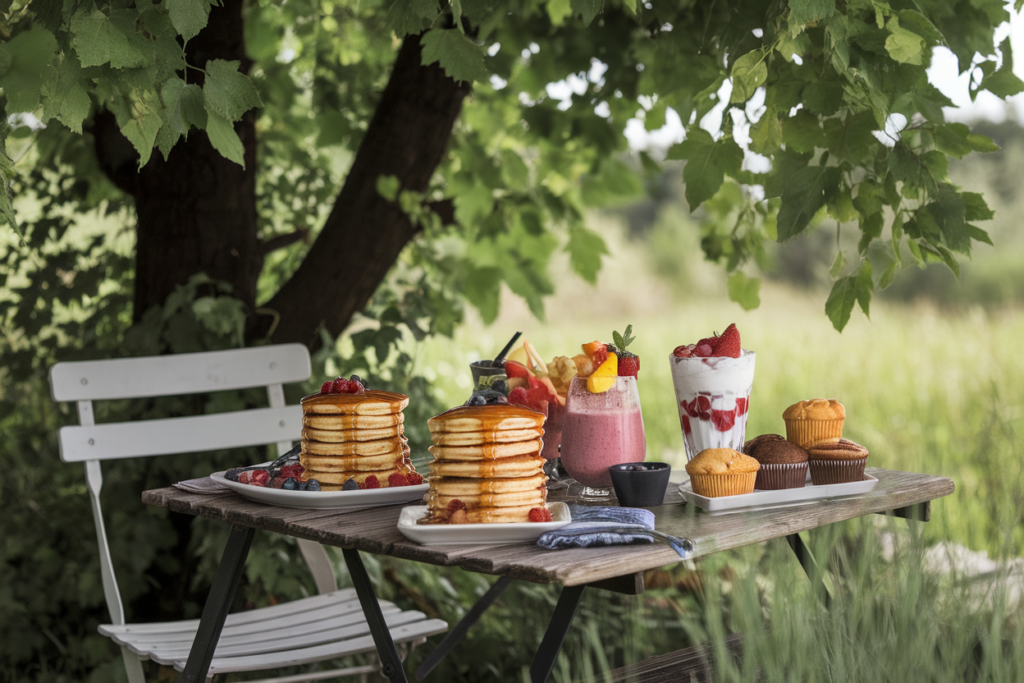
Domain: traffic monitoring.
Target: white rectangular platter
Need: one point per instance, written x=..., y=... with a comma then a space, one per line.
x=324, y=500
x=759, y=498
x=478, y=534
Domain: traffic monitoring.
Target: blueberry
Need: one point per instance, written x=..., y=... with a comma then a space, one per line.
x=357, y=378
x=301, y=486
x=232, y=474
x=290, y=484
x=477, y=399
x=349, y=485
x=312, y=485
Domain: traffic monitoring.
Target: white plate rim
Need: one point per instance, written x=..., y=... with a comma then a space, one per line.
x=779, y=497
x=499, y=531
x=323, y=499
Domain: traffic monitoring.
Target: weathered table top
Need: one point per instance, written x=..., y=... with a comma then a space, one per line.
x=375, y=530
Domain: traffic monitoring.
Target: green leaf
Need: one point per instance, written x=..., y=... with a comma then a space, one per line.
x=746, y=291
x=976, y=208
x=411, y=16
x=98, y=40
x=482, y=287
x=224, y=138
x=586, y=10
x=26, y=57
x=982, y=143
x=170, y=93
x=558, y=10
x=514, y=170
x=888, y=276
x=228, y=92
x=979, y=235
x=64, y=97
x=585, y=249
x=1003, y=82
x=951, y=138
x=845, y=293
x=749, y=72
x=948, y=210
x=802, y=132
x=388, y=187
x=937, y=164
x=766, y=134
x=707, y=163
x=460, y=57
x=804, y=193
x=902, y=45
x=909, y=168
x=189, y=17
x=142, y=127
x=837, y=265
x=474, y=205
x=810, y=11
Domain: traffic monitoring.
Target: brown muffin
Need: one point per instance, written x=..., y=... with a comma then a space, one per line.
x=783, y=463
x=812, y=421
x=718, y=472
x=837, y=463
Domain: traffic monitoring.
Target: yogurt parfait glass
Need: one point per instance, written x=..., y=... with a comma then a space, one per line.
x=713, y=398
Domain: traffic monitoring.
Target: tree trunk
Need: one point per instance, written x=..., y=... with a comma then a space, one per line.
x=196, y=211
x=364, y=232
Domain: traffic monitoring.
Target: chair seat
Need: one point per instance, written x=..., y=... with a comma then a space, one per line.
x=303, y=631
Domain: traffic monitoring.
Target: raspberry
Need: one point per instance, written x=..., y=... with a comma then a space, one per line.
x=540, y=515
x=339, y=386
x=293, y=470
x=325, y=388
x=355, y=387
x=728, y=344
x=276, y=482
x=260, y=478
x=397, y=479
x=415, y=478
x=371, y=482
x=455, y=505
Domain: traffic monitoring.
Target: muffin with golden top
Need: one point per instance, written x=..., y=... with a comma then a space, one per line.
x=815, y=421
x=716, y=472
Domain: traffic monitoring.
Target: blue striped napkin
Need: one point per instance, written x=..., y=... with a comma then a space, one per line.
x=593, y=527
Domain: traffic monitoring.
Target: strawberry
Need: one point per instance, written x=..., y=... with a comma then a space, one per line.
x=685, y=419
x=515, y=369
x=371, y=482
x=723, y=419
x=629, y=363
x=540, y=515
x=703, y=350
x=728, y=343
x=414, y=478
x=260, y=478
x=397, y=479
x=684, y=351
x=742, y=406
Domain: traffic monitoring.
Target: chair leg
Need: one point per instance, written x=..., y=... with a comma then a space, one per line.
x=391, y=663
x=810, y=567
x=133, y=665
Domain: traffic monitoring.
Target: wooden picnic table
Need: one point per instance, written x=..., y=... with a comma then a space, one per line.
x=617, y=568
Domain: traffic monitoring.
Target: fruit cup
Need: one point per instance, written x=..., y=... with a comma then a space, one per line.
x=713, y=397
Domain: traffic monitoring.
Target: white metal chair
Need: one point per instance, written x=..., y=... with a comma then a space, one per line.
x=317, y=628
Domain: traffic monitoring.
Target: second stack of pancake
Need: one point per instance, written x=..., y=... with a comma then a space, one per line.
x=487, y=457
x=354, y=436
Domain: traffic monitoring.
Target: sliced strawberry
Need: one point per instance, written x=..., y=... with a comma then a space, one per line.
x=516, y=369
x=742, y=406
x=684, y=351
x=723, y=419
x=728, y=343
x=686, y=424
x=702, y=405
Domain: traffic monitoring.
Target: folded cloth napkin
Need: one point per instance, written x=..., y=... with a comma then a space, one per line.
x=202, y=485
x=592, y=527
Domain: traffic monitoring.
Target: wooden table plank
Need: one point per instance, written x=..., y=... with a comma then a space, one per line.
x=375, y=530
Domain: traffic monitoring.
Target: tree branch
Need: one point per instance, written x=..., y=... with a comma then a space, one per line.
x=365, y=232
x=281, y=241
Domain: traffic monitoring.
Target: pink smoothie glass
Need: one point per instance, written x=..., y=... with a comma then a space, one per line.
x=713, y=397
x=601, y=430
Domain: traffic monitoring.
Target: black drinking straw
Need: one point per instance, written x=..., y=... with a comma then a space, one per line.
x=497, y=359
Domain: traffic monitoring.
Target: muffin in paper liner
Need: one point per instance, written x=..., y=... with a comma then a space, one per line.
x=805, y=432
x=718, y=485
x=790, y=475
x=834, y=471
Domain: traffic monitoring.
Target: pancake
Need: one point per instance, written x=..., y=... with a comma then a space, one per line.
x=491, y=451
x=342, y=435
x=487, y=418
x=353, y=447
x=356, y=463
x=463, y=486
x=486, y=515
x=340, y=422
x=517, y=466
x=339, y=478
x=367, y=403
x=478, y=438
x=534, y=498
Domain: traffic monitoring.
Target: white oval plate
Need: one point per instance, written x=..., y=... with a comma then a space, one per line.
x=324, y=500
x=478, y=534
x=781, y=497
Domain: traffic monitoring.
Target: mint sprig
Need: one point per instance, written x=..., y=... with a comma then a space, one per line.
x=625, y=339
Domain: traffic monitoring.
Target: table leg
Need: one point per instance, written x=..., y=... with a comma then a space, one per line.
x=807, y=562
x=391, y=663
x=547, y=653
x=456, y=635
x=222, y=592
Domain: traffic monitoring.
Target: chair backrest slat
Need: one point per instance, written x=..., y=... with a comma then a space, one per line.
x=256, y=427
x=187, y=373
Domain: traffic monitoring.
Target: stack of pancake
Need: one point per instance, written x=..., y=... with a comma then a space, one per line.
x=353, y=436
x=488, y=459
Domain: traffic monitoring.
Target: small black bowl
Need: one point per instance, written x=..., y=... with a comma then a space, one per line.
x=640, y=484
x=485, y=368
